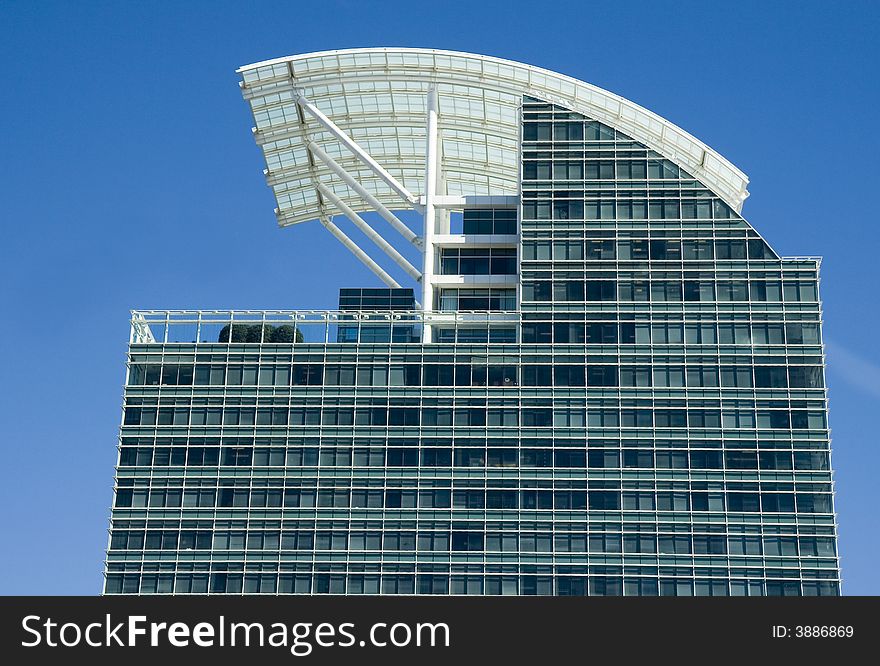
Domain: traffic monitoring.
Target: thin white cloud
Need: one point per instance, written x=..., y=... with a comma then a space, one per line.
x=853, y=368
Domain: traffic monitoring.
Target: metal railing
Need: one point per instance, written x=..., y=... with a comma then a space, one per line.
x=297, y=326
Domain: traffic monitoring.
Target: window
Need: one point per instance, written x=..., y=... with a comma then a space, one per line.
x=736, y=376
x=668, y=376
x=802, y=333
x=696, y=290
x=796, y=292
x=639, y=543
x=569, y=375
x=767, y=334
x=665, y=291
x=536, y=291
x=697, y=250
x=632, y=249
x=478, y=261
x=572, y=209
x=568, y=131
x=635, y=375
x=602, y=375
x=805, y=377
x=599, y=210
x=696, y=209
x=599, y=169
x=677, y=544
x=632, y=170
x=665, y=250
x=501, y=221
x=467, y=541
x=568, y=291
x=600, y=290
x=536, y=250
x=568, y=170
x=740, y=460
x=734, y=334
x=758, y=249
x=537, y=131
x=732, y=290
x=765, y=290
x=730, y=249
x=632, y=210
x=666, y=333
x=700, y=334
x=702, y=376
x=770, y=376
x=634, y=291
x=664, y=210
x=662, y=169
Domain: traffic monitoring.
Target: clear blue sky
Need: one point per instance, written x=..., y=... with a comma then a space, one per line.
x=129, y=178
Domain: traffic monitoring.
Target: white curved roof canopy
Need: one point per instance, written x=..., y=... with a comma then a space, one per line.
x=377, y=96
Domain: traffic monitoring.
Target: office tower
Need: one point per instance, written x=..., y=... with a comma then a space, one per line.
x=585, y=374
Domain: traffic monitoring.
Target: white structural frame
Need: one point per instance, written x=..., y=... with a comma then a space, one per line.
x=430, y=211
x=374, y=95
x=359, y=152
x=410, y=199
x=391, y=129
x=370, y=233
x=378, y=206
x=359, y=253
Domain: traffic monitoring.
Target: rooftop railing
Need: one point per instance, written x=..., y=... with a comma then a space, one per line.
x=300, y=326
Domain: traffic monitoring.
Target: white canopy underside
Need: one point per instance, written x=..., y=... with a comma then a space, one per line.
x=377, y=96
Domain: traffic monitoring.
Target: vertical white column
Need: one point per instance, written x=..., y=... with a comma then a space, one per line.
x=444, y=213
x=430, y=211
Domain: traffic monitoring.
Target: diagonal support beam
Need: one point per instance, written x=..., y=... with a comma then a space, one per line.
x=359, y=253
x=369, y=232
x=377, y=205
x=359, y=152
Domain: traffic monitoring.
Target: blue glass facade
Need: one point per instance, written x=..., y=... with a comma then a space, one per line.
x=627, y=400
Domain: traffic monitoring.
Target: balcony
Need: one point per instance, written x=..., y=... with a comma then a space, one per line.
x=228, y=327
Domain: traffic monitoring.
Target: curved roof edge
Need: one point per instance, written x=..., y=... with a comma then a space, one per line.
x=391, y=65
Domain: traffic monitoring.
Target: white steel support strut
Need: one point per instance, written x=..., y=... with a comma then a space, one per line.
x=359, y=253
x=361, y=224
x=359, y=152
x=430, y=212
x=377, y=205
x=443, y=217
